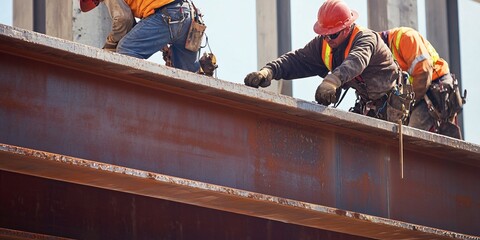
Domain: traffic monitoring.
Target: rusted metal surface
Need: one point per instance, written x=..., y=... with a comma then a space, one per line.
x=72, y=99
x=11, y=234
x=56, y=192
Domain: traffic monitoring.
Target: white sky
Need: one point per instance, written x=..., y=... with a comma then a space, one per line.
x=231, y=29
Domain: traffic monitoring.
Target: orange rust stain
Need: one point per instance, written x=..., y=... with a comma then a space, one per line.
x=464, y=201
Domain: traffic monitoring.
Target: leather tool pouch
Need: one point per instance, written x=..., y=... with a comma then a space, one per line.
x=450, y=129
x=446, y=99
x=446, y=102
x=455, y=99
x=197, y=29
x=438, y=94
x=398, y=107
x=399, y=103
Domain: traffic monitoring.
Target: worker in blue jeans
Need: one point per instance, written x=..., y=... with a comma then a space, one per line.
x=162, y=22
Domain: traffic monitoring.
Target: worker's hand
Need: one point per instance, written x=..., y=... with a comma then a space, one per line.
x=261, y=78
x=110, y=47
x=326, y=92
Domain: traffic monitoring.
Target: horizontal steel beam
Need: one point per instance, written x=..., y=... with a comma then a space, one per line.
x=76, y=198
x=71, y=99
x=11, y=234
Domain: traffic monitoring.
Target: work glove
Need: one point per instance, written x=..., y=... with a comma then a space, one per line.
x=262, y=78
x=112, y=47
x=326, y=92
x=208, y=64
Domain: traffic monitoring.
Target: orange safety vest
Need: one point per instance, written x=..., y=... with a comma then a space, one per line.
x=440, y=66
x=145, y=8
x=327, y=56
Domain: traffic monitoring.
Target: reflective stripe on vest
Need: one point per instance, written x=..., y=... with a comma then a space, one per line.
x=433, y=54
x=327, y=56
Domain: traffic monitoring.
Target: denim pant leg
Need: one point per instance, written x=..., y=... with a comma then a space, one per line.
x=149, y=36
x=181, y=57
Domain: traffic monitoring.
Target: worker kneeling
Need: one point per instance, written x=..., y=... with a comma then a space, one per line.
x=437, y=96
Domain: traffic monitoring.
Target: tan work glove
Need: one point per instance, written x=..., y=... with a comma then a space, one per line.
x=326, y=92
x=261, y=78
x=208, y=64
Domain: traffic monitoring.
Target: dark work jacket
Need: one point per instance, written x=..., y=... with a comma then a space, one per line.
x=369, y=57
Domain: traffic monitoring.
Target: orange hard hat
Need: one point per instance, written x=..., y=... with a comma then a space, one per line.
x=333, y=16
x=87, y=5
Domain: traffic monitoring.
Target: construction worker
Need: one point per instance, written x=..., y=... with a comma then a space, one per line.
x=345, y=55
x=426, y=69
x=162, y=22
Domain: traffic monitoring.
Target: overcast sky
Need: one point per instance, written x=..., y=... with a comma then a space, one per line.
x=231, y=29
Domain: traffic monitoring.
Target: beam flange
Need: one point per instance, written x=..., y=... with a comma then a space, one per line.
x=99, y=175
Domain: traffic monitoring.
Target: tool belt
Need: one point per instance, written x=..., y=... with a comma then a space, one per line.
x=197, y=26
x=371, y=108
x=172, y=3
x=196, y=31
x=445, y=102
x=395, y=105
x=162, y=9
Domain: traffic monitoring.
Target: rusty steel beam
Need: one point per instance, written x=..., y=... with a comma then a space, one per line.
x=83, y=199
x=84, y=102
x=11, y=234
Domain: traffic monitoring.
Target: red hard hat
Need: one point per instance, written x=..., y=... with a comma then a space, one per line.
x=87, y=5
x=333, y=16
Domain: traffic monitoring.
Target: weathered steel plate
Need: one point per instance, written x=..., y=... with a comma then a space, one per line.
x=70, y=197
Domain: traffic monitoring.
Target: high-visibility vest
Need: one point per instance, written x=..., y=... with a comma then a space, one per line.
x=327, y=56
x=395, y=47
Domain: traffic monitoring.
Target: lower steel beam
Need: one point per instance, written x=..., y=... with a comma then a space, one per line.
x=69, y=197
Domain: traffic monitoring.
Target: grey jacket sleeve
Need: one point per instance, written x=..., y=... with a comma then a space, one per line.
x=303, y=62
x=122, y=20
x=358, y=59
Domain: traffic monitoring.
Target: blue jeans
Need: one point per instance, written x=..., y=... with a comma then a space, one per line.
x=154, y=32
